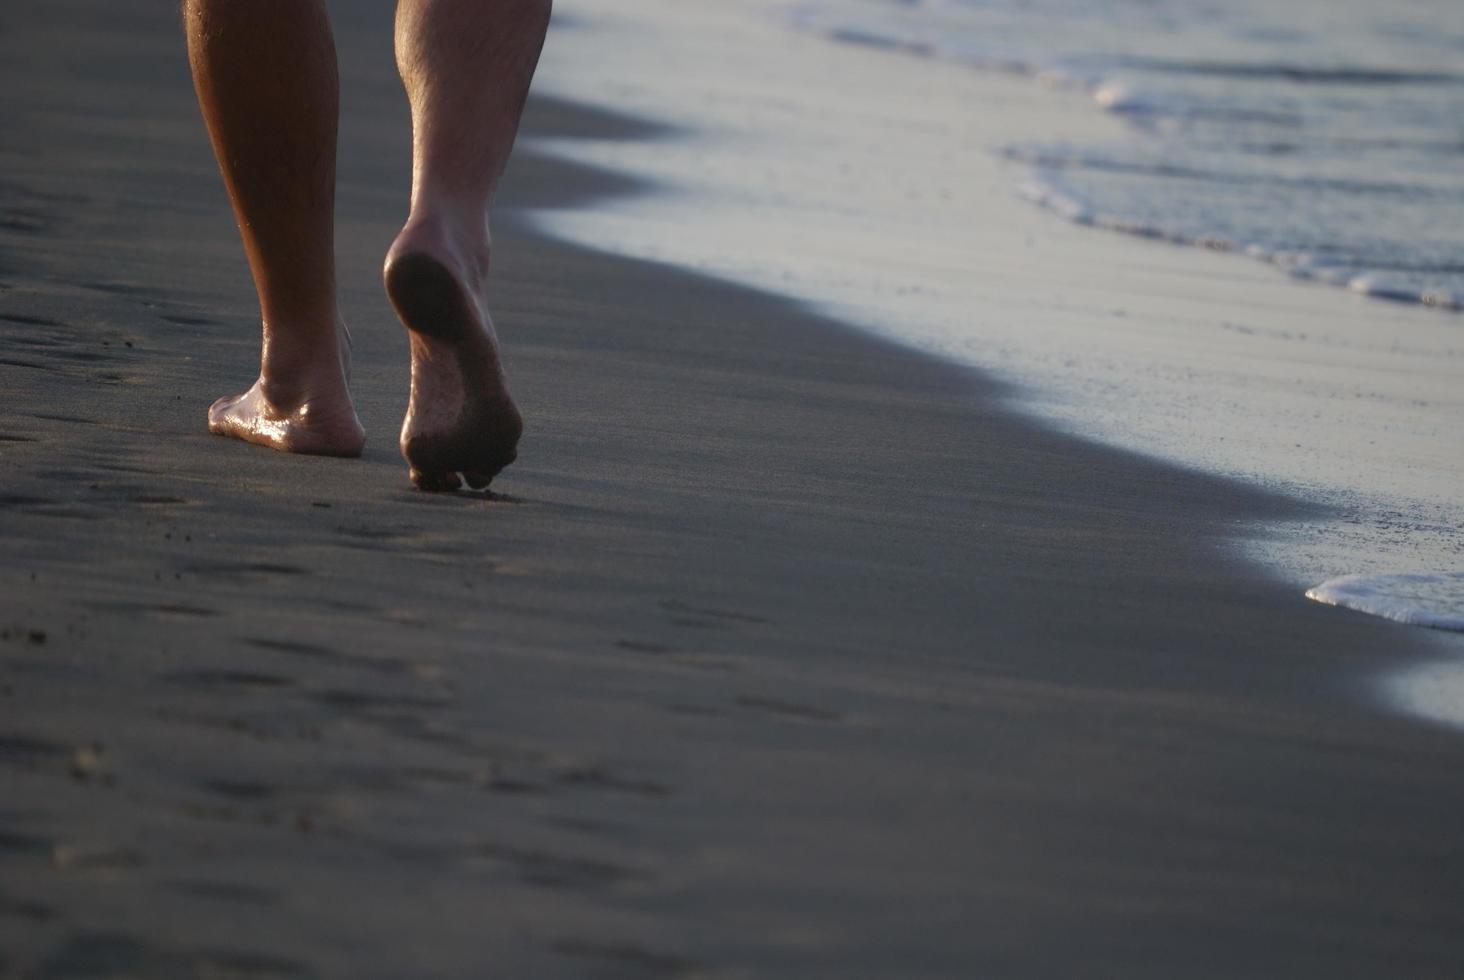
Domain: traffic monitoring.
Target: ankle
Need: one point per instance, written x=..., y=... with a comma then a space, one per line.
x=290, y=380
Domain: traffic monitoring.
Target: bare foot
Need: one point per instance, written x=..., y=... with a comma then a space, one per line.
x=314, y=416
x=460, y=419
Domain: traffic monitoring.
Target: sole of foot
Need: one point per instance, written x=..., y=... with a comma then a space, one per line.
x=461, y=423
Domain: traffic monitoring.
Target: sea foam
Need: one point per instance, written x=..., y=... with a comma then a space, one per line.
x=1432, y=599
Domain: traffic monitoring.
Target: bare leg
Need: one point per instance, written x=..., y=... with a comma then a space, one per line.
x=466, y=65
x=265, y=72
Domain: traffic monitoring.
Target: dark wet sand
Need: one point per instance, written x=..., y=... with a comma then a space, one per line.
x=782, y=653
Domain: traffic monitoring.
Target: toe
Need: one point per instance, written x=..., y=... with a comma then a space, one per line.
x=435, y=481
x=219, y=410
x=478, y=479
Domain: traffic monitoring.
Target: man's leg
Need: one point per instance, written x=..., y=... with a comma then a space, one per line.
x=466, y=65
x=265, y=72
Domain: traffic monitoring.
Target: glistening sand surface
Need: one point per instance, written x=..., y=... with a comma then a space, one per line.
x=793, y=654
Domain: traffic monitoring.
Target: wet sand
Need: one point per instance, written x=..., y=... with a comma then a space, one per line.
x=781, y=652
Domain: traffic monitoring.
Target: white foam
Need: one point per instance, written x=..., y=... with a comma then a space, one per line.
x=1055, y=199
x=1121, y=97
x=1382, y=288
x=1432, y=599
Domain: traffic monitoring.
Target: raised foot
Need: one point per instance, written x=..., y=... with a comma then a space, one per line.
x=461, y=423
x=319, y=426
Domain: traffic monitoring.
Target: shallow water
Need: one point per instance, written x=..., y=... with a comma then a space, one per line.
x=1324, y=136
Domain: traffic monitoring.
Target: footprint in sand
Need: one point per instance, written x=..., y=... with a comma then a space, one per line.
x=789, y=709
x=627, y=958
x=29, y=321
x=227, y=681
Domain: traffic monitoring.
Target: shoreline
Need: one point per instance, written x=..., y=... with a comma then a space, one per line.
x=783, y=651
x=1105, y=78
x=871, y=185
